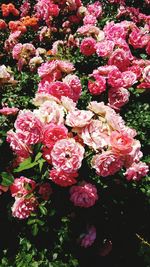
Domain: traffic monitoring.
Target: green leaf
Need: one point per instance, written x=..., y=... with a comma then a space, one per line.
x=43, y=210
x=7, y=179
x=35, y=229
x=25, y=165
x=38, y=156
x=41, y=162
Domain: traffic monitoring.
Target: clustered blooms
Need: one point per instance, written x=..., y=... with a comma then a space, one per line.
x=64, y=133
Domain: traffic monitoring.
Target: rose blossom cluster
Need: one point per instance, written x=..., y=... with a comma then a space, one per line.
x=65, y=133
x=57, y=80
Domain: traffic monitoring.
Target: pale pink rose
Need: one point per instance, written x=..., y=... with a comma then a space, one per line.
x=4, y=73
x=17, y=145
x=65, y=66
x=104, y=48
x=89, y=19
x=52, y=133
x=75, y=84
x=67, y=155
x=91, y=30
x=68, y=103
x=120, y=59
x=8, y=111
x=50, y=112
x=107, y=163
x=48, y=68
x=23, y=207
x=22, y=53
x=87, y=46
x=114, y=31
x=118, y=97
x=28, y=127
x=84, y=195
x=136, y=171
x=62, y=178
x=22, y=186
x=129, y=78
x=87, y=240
x=45, y=191
x=146, y=74
x=78, y=118
x=115, y=121
x=35, y=62
x=121, y=142
x=40, y=99
x=95, y=135
x=115, y=78
x=95, y=9
x=12, y=40
x=99, y=108
x=98, y=86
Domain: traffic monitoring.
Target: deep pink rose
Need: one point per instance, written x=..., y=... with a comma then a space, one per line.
x=120, y=59
x=95, y=9
x=118, y=97
x=88, y=239
x=84, y=195
x=98, y=86
x=63, y=178
x=104, y=48
x=22, y=186
x=87, y=46
x=75, y=84
x=23, y=207
x=28, y=127
x=90, y=19
x=17, y=145
x=121, y=142
x=115, y=78
x=67, y=155
x=45, y=191
x=107, y=163
x=52, y=133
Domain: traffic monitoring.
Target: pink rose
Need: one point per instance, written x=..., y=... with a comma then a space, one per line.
x=88, y=239
x=107, y=163
x=129, y=78
x=78, y=118
x=87, y=46
x=137, y=39
x=115, y=78
x=118, y=97
x=52, y=133
x=136, y=171
x=104, y=48
x=23, y=207
x=67, y=155
x=22, y=186
x=98, y=86
x=89, y=19
x=121, y=142
x=95, y=135
x=62, y=178
x=84, y=195
x=114, y=31
x=95, y=9
x=17, y=145
x=75, y=84
x=6, y=111
x=146, y=74
x=137, y=70
x=58, y=89
x=45, y=191
x=28, y=127
x=120, y=59
x=148, y=48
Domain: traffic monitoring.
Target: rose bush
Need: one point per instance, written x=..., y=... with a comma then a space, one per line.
x=74, y=118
